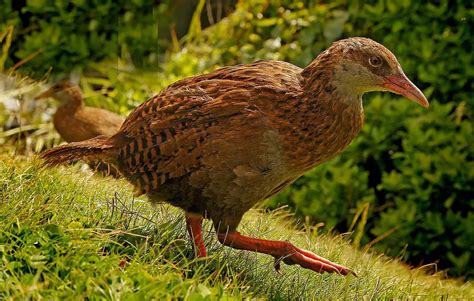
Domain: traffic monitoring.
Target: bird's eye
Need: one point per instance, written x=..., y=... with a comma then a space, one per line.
x=375, y=61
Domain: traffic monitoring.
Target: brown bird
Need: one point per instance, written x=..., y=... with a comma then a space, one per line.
x=217, y=144
x=75, y=121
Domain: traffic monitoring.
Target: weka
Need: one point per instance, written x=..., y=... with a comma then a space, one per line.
x=75, y=121
x=217, y=144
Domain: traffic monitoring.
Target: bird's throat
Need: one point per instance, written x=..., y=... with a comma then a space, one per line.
x=326, y=124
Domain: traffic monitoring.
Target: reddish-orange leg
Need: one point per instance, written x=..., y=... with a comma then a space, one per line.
x=194, y=225
x=283, y=250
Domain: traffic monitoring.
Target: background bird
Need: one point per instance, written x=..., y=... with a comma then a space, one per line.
x=217, y=144
x=75, y=121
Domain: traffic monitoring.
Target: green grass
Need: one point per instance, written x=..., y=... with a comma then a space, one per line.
x=66, y=233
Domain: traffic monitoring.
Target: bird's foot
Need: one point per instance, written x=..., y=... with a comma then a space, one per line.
x=282, y=251
x=311, y=261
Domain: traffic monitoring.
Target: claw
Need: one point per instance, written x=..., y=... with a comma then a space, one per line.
x=317, y=263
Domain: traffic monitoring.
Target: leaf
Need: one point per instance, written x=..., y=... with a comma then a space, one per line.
x=333, y=28
x=5, y=40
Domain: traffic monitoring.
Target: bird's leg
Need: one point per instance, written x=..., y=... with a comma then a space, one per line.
x=282, y=250
x=194, y=225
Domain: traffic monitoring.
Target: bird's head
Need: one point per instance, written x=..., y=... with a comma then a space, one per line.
x=362, y=65
x=65, y=91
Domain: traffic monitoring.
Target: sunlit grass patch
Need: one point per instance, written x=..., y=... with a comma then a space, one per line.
x=67, y=233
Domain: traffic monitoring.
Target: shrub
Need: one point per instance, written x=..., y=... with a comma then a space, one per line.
x=432, y=40
x=69, y=35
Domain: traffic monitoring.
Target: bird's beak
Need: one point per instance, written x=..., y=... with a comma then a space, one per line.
x=45, y=94
x=400, y=84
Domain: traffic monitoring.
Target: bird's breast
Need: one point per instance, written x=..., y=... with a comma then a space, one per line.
x=319, y=134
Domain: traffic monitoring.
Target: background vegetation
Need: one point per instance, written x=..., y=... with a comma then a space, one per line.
x=404, y=187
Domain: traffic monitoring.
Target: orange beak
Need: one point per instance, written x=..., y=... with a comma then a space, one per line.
x=400, y=84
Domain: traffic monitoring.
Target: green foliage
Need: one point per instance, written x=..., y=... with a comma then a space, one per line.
x=412, y=168
x=256, y=31
x=433, y=41
x=5, y=40
x=68, y=35
x=431, y=190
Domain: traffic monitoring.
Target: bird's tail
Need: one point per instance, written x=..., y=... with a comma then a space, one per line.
x=97, y=148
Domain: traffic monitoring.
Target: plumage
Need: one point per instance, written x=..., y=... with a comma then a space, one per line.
x=75, y=121
x=217, y=144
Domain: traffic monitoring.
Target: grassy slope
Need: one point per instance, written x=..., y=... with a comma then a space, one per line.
x=65, y=233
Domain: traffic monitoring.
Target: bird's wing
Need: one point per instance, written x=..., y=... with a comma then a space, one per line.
x=161, y=139
x=165, y=143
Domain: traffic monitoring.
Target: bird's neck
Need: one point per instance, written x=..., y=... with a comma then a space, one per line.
x=71, y=103
x=328, y=79
x=326, y=119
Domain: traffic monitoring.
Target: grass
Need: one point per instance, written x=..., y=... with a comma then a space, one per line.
x=65, y=233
